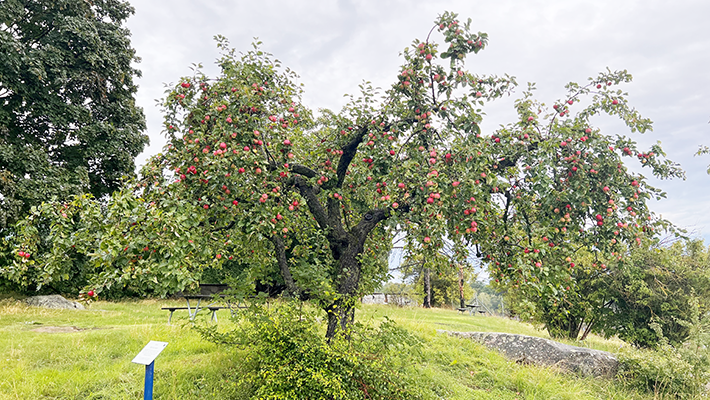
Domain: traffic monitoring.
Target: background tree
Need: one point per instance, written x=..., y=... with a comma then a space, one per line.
x=443, y=279
x=68, y=119
x=573, y=312
x=664, y=285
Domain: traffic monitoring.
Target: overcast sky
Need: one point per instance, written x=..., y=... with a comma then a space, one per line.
x=335, y=45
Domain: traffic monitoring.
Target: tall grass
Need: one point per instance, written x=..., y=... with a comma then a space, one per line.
x=95, y=362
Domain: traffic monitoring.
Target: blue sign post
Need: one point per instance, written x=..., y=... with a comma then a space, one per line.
x=147, y=357
x=148, y=390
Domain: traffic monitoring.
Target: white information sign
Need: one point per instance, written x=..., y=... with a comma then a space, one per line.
x=149, y=352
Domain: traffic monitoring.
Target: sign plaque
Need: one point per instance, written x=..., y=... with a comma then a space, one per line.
x=149, y=352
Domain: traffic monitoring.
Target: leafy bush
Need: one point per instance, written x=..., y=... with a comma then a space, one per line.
x=285, y=356
x=674, y=371
x=663, y=371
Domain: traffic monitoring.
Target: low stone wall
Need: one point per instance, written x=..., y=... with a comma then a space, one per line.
x=539, y=351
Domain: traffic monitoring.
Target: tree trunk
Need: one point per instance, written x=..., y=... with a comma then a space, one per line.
x=345, y=246
x=461, y=298
x=341, y=315
x=587, y=330
x=574, y=326
x=427, y=288
x=565, y=328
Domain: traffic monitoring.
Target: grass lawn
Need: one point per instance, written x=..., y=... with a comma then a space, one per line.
x=93, y=359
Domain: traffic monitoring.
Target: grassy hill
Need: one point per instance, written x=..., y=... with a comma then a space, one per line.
x=63, y=354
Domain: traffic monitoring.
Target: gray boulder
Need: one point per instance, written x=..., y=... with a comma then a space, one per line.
x=53, y=301
x=544, y=352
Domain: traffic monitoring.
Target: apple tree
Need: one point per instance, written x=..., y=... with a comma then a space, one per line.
x=568, y=204
x=256, y=162
x=253, y=158
x=311, y=203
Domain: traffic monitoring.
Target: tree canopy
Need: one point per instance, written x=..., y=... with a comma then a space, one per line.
x=68, y=122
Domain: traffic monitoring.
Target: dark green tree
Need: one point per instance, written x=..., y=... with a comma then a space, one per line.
x=68, y=119
x=668, y=286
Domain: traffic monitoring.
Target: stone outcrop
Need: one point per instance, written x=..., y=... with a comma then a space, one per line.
x=53, y=301
x=544, y=352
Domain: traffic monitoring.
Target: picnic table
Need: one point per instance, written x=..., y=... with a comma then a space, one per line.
x=209, y=294
x=471, y=308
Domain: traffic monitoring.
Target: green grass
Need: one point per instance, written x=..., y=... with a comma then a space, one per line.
x=95, y=362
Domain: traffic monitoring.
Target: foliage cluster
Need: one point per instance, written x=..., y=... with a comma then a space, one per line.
x=285, y=356
x=681, y=371
x=658, y=293
x=652, y=286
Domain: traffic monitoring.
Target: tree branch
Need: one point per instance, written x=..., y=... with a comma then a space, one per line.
x=349, y=151
x=303, y=170
x=310, y=194
x=368, y=222
x=282, y=260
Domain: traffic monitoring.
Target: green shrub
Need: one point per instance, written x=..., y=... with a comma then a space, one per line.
x=670, y=371
x=284, y=355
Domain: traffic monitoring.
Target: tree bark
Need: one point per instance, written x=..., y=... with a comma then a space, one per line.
x=282, y=260
x=427, y=288
x=341, y=315
x=346, y=249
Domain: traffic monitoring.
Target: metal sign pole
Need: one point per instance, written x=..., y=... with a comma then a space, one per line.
x=148, y=390
x=147, y=357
